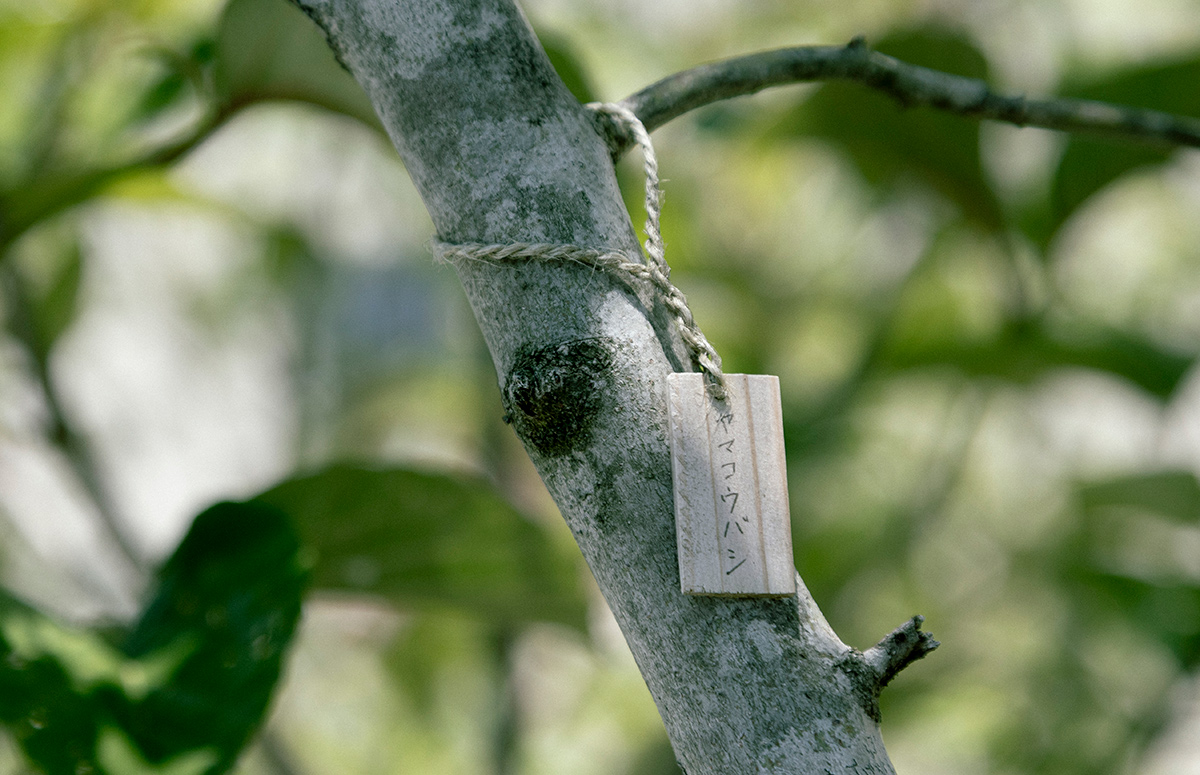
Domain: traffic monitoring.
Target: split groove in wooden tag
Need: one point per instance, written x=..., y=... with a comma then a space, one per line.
x=732, y=524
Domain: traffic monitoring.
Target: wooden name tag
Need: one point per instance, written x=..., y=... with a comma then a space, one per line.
x=733, y=528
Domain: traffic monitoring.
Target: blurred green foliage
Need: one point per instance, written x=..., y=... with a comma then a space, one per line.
x=418, y=538
x=185, y=687
x=293, y=62
x=917, y=369
x=1089, y=164
x=888, y=143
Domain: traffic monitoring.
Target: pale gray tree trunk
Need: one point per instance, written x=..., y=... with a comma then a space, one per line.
x=501, y=152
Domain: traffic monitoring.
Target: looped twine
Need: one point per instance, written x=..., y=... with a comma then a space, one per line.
x=651, y=267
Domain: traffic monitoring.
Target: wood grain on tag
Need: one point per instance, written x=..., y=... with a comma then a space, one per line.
x=732, y=523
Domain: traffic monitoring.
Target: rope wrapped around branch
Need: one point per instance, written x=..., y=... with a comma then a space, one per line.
x=651, y=267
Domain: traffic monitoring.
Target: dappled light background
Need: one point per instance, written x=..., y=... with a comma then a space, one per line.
x=986, y=339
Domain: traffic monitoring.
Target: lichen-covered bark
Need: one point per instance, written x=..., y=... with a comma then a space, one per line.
x=501, y=152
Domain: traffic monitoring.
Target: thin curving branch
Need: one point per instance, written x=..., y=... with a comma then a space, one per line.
x=910, y=85
x=50, y=195
x=61, y=433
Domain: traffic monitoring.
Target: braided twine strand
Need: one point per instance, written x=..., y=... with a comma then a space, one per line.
x=651, y=267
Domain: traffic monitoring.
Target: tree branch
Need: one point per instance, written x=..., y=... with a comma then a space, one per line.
x=502, y=153
x=910, y=85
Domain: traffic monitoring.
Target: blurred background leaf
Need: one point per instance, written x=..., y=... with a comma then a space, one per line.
x=890, y=144
x=1174, y=494
x=566, y=63
x=269, y=50
x=417, y=538
x=53, y=712
x=985, y=424
x=1089, y=164
x=1028, y=350
x=189, y=682
x=228, y=601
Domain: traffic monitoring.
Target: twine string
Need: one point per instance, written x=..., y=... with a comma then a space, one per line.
x=650, y=267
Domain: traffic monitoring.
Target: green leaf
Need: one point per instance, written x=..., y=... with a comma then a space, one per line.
x=195, y=674
x=164, y=93
x=52, y=714
x=1174, y=494
x=269, y=50
x=562, y=56
x=1025, y=350
x=1089, y=164
x=117, y=754
x=1168, y=612
x=889, y=143
x=225, y=609
x=182, y=73
x=61, y=688
x=419, y=539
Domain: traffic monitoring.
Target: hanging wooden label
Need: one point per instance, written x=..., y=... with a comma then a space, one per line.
x=732, y=524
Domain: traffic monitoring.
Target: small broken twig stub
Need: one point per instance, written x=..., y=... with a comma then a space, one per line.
x=874, y=669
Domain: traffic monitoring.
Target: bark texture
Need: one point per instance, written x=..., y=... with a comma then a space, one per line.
x=501, y=152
